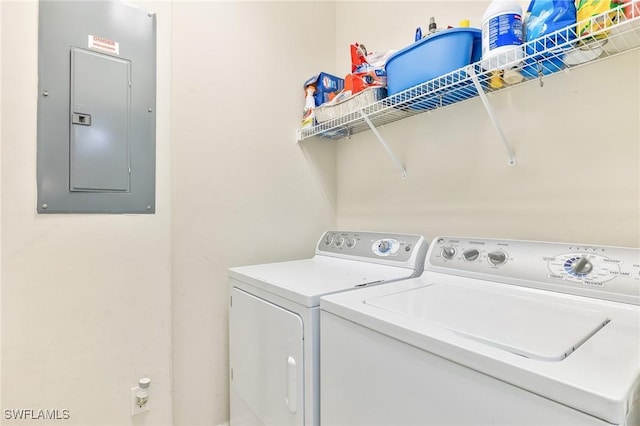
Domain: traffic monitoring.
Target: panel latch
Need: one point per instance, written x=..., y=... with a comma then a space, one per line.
x=82, y=119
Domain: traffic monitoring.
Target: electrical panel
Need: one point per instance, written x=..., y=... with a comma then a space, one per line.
x=96, y=108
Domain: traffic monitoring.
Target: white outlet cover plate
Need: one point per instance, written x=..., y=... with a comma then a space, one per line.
x=135, y=409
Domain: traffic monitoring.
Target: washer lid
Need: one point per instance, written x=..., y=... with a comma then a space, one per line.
x=522, y=325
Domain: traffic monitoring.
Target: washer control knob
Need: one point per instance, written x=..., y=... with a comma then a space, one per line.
x=497, y=257
x=581, y=266
x=328, y=240
x=351, y=243
x=448, y=252
x=471, y=255
x=339, y=241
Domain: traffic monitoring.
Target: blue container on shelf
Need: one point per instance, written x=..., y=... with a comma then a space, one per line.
x=432, y=56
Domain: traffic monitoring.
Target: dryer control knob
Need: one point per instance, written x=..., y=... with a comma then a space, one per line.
x=471, y=255
x=339, y=241
x=497, y=257
x=448, y=252
x=351, y=242
x=384, y=246
x=581, y=266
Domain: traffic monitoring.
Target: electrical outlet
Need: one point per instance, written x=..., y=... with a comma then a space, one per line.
x=136, y=407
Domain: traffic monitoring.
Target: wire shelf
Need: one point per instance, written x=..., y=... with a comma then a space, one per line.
x=608, y=34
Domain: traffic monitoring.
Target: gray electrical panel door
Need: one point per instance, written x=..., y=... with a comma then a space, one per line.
x=100, y=105
x=96, y=107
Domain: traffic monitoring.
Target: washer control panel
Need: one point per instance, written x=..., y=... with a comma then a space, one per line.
x=611, y=273
x=373, y=245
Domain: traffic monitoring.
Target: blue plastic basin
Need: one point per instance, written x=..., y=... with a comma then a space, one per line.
x=433, y=56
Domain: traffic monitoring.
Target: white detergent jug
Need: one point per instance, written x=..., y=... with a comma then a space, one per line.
x=502, y=35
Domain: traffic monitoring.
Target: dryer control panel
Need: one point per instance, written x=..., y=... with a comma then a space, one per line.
x=378, y=247
x=604, y=272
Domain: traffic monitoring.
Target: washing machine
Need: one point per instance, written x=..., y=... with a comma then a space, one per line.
x=497, y=332
x=274, y=320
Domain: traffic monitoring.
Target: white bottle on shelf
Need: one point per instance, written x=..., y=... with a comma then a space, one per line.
x=308, y=115
x=502, y=35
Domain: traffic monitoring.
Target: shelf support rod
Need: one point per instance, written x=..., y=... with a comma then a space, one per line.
x=487, y=106
x=384, y=144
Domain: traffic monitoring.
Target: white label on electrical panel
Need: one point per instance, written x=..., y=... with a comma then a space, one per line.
x=104, y=44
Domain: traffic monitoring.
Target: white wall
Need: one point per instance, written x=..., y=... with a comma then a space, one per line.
x=576, y=142
x=243, y=191
x=86, y=299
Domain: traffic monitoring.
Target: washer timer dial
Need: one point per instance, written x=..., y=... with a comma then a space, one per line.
x=585, y=268
x=579, y=267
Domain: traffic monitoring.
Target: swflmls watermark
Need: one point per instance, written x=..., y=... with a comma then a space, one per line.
x=36, y=414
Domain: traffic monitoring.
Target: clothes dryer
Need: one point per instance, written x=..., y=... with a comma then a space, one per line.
x=274, y=314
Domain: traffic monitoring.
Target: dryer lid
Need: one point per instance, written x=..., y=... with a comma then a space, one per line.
x=522, y=325
x=305, y=281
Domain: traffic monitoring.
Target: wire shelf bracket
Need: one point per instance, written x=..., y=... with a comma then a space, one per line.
x=511, y=158
x=384, y=143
